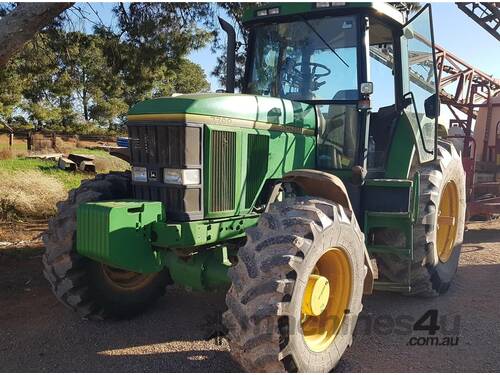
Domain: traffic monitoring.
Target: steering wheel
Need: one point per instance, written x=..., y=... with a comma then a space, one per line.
x=295, y=78
x=314, y=67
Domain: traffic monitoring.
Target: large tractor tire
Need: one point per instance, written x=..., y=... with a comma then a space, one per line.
x=438, y=231
x=93, y=289
x=296, y=289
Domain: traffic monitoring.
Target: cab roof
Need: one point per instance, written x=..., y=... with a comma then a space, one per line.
x=271, y=11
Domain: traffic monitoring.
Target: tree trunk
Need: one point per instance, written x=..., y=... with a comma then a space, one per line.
x=20, y=25
x=64, y=121
x=85, y=104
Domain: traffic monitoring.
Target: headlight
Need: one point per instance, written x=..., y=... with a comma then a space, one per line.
x=181, y=176
x=139, y=174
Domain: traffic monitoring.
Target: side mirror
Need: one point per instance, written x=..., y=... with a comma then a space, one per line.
x=231, y=54
x=432, y=106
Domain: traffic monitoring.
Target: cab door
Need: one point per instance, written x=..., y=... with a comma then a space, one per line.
x=420, y=86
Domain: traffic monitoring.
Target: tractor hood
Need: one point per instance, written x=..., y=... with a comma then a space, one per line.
x=229, y=106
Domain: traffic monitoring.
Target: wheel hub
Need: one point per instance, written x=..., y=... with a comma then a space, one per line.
x=316, y=295
x=326, y=297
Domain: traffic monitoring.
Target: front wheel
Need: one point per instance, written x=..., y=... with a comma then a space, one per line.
x=296, y=289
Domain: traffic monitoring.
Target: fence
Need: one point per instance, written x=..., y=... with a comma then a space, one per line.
x=38, y=141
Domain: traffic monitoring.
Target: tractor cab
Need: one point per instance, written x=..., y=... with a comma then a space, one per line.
x=362, y=67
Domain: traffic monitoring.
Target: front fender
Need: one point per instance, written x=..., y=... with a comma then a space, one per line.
x=320, y=184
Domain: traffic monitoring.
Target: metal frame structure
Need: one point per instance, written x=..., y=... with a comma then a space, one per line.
x=487, y=15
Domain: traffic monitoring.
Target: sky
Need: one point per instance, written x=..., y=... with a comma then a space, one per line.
x=457, y=33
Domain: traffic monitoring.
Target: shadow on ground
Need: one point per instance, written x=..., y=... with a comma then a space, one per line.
x=484, y=235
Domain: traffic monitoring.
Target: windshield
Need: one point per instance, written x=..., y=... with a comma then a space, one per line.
x=306, y=60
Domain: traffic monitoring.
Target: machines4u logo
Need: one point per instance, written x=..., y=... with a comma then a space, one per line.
x=428, y=329
x=429, y=323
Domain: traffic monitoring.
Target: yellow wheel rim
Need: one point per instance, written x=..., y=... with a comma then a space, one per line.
x=126, y=280
x=447, y=221
x=326, y=299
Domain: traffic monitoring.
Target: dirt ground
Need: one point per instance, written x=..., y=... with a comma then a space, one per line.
x=39, y=334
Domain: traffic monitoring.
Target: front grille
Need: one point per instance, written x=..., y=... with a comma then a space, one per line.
x=223, y=170
x=173, y=146
x=157, y=146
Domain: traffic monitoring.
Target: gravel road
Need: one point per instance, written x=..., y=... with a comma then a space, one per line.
x=39, y=334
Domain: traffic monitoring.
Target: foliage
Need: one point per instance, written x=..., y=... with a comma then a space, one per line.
x=10, y=92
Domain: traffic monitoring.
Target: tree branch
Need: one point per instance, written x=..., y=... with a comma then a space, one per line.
x=20, y=25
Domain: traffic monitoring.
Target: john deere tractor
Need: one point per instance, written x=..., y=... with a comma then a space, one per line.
x=322, y=180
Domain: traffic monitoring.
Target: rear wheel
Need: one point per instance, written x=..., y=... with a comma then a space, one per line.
x=438, y=232
x=296, y=289
x=93, y=289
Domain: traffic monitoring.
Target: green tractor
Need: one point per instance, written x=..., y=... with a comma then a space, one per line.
x=322, y=180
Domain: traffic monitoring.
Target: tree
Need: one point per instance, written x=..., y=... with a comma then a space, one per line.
x=21, y=24
x=11, y=87
x=157, y=36
x=190, y=78
x=37, y=64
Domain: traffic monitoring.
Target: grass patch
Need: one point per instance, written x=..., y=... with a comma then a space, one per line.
x=96, y=152
x=29, y=194
x=70, y=180
x=6, y=154
x=19, y=145
x=31, y=187
x=16, y=147
x=104, y=163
